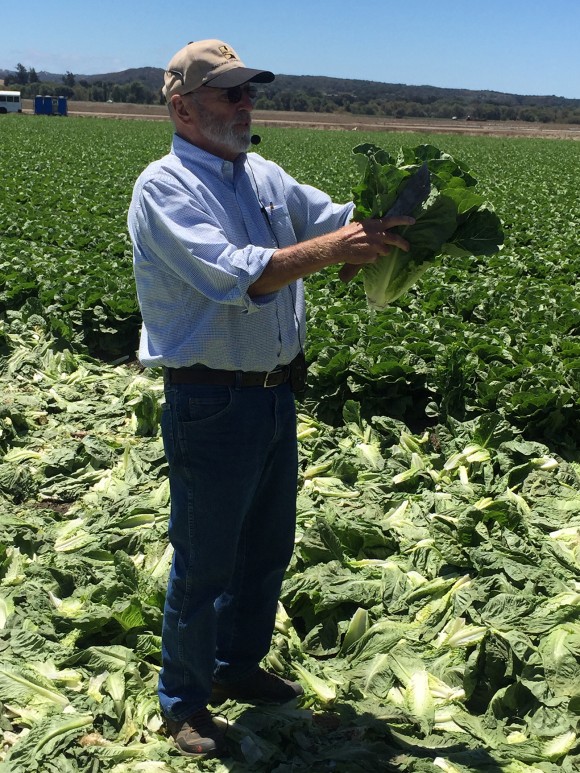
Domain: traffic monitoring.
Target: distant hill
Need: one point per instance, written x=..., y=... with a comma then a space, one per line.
x=152, y=77
x=365, y=89
x=315, y=93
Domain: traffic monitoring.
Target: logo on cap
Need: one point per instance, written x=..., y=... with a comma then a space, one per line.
x=227, y=52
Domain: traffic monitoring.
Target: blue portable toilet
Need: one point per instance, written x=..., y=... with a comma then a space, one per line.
x=45, y=105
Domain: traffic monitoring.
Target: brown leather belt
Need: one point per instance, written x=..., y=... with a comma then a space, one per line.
x=209, y=376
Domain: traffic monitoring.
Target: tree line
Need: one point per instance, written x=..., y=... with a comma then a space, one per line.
x=80, y=89
x=318, y=94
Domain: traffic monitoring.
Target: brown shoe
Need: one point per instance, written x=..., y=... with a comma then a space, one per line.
x=259, y=687
x=198, y=735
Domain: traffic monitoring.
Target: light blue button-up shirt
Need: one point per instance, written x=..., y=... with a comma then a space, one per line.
x=203, y=230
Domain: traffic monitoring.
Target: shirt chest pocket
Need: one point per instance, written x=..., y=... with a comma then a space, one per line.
x=281, y=225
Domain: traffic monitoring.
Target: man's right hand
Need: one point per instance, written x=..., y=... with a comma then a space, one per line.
x=380, y=240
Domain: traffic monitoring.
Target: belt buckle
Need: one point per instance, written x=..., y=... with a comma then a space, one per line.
x=266, y=379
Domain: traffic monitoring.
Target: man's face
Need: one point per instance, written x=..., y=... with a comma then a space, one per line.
x=223, y=117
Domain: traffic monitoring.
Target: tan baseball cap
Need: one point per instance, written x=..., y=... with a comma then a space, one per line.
x=208, y=63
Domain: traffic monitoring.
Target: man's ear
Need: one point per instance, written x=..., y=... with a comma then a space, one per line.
x=179, y=107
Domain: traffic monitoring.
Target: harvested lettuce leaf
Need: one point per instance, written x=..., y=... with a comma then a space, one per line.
x=454, y=220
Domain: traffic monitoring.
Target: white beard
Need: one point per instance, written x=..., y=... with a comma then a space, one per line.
x=230, y=136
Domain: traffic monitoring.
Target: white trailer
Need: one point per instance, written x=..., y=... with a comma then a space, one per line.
x=10, y=102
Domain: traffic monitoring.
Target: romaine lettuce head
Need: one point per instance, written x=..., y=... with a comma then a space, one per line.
x=454, y=220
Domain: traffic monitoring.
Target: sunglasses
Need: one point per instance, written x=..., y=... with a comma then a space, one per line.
x=236, y=93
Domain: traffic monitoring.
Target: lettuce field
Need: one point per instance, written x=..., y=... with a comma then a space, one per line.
x=432, y=607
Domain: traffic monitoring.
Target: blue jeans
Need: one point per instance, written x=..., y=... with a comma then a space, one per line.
x=233, y=465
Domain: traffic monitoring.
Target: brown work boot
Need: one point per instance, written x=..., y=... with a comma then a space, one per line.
x=259, y=687
x=198, y=735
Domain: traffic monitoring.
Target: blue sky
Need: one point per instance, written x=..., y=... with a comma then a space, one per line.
x=515, y=46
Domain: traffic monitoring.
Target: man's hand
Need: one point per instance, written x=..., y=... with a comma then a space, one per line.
x=387, y=240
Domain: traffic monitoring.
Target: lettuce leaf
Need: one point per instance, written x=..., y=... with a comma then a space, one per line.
x=454, y=220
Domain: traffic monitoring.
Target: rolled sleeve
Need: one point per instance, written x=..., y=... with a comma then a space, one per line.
x=185, y=241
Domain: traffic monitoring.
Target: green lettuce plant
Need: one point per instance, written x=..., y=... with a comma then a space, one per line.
x=454, y=220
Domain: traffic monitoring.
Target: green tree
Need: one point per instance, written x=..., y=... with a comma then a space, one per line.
x=528, y=114
x=117, y=94
x=300, y=103
x=32, y=76
x=99, y=92
x=21, y=74
x=138, y=93
x=66, y=91
x=68, y=79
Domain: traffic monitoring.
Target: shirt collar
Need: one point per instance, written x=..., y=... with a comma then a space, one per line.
x=194, y=157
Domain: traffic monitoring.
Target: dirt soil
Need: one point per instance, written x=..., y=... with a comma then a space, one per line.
x=340, y=121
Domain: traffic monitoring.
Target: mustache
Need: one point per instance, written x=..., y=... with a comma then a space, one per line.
x=244, y=116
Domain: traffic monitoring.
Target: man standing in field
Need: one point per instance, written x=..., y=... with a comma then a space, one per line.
x=222, y=240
